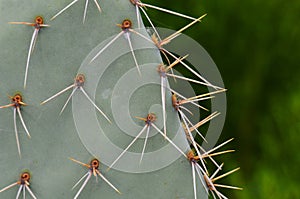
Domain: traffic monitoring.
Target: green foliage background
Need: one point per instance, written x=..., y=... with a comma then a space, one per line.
x=256, y=46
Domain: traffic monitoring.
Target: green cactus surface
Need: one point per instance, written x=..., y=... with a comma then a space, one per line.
x=61, y=52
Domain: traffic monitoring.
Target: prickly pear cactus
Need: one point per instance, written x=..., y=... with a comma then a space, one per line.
x=58, y=148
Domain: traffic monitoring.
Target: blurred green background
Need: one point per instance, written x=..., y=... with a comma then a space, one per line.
x=256, y=46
